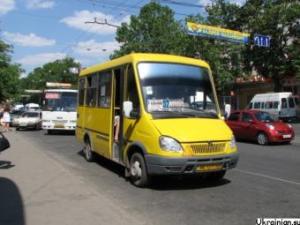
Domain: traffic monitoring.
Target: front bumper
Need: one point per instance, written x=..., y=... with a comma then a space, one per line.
x=158, y=165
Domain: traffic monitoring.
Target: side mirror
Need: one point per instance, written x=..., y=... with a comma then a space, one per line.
x=127, y=108
x=4, y=144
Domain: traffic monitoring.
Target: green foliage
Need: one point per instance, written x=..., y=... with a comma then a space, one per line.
x=280, y=20
x=57, y=71
x=9, y=75
x=153, y=30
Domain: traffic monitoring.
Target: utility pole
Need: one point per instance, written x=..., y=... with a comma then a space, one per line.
x=102, y=23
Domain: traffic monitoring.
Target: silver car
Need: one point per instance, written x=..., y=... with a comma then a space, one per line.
x=29, y=120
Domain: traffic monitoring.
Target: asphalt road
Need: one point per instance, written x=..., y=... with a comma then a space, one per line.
x=266, y=183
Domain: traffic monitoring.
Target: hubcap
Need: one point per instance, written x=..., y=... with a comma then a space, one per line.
x=136, y=169
x=261, y=139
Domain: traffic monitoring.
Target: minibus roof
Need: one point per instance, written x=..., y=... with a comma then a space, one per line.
x=140, y=57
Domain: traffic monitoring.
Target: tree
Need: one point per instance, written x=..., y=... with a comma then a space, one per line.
x=280, y=20
x=153, y=30
x=57, y=71
x=9, y=74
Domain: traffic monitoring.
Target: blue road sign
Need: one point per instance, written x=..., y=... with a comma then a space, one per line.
x=262, y=41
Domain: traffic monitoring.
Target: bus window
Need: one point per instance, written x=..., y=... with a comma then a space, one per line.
x=256, y=105
x=81, y=91
x=91, y=90
x=275, y=105
x=104, y=95
x=283, y=103
x=131, y=93
x=291, y=102
x=262, y=106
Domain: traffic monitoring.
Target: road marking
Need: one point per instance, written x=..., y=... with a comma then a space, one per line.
x=268, y=177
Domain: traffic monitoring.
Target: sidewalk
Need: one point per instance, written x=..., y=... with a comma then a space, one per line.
x=37, y=190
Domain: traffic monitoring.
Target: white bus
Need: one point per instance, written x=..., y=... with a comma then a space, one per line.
x=282, y=105
x=59, y=110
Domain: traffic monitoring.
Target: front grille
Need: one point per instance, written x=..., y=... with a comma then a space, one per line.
x=208, y=148
x=60, y=121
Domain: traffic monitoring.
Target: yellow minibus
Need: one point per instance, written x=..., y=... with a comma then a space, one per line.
x=154, y=114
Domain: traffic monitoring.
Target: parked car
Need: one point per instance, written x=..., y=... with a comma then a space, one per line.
x=29, y=120
x=14, y=115
x=259, y=126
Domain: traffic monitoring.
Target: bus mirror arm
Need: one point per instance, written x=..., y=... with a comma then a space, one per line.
x=134, y=114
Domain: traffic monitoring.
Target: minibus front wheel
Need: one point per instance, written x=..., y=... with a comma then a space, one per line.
x=138, y=171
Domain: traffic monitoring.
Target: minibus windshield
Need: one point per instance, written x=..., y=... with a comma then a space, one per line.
x=177, y=90
x=60, y=101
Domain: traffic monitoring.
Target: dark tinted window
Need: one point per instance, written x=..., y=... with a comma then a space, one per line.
x=91, y=91
x=264, y=117
x=256, y=105
x=234, y=116
x=131, y=93
x=104, y=93
x=246, y=117
x=81, y=91
x=283, y=103
x=291, y=103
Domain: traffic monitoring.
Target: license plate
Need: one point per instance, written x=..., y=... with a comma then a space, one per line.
x=59, y=125
x=287, y=136
x=210, y=167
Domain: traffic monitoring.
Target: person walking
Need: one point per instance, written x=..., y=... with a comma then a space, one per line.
x=6, y=118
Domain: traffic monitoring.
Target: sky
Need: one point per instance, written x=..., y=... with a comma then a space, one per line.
x=43, y=31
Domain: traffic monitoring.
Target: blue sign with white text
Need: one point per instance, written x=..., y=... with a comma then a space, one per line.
x=262, y=41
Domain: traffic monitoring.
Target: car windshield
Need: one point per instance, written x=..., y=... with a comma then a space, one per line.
x=264, y=117
x=30, y=115
x=60, y=101
x=177, y=90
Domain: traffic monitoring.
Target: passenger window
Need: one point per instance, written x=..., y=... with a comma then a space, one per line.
x=246, y=117
x=275, y=105
x=104, y=93
x=256, y=105
x=91, y=90
x=291, y=103
x=81, y=91
x=132, y=93
x=234, y=117
x=283, y=103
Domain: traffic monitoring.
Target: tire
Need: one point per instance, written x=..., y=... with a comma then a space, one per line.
x=262, y=139
x=17, y=128
x=216, y=176
x=89, y=155
x=49, y=132
x=138, y=171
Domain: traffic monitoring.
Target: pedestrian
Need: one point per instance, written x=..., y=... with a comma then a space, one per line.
x=6, y=118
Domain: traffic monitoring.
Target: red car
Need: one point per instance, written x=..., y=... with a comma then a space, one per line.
x=259, y=126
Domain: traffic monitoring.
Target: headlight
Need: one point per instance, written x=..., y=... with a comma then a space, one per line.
x=232, y=142
x=290, y=126
x=270, y=126
x=169, y=144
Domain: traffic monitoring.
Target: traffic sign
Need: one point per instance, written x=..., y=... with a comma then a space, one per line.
x=262, y=41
